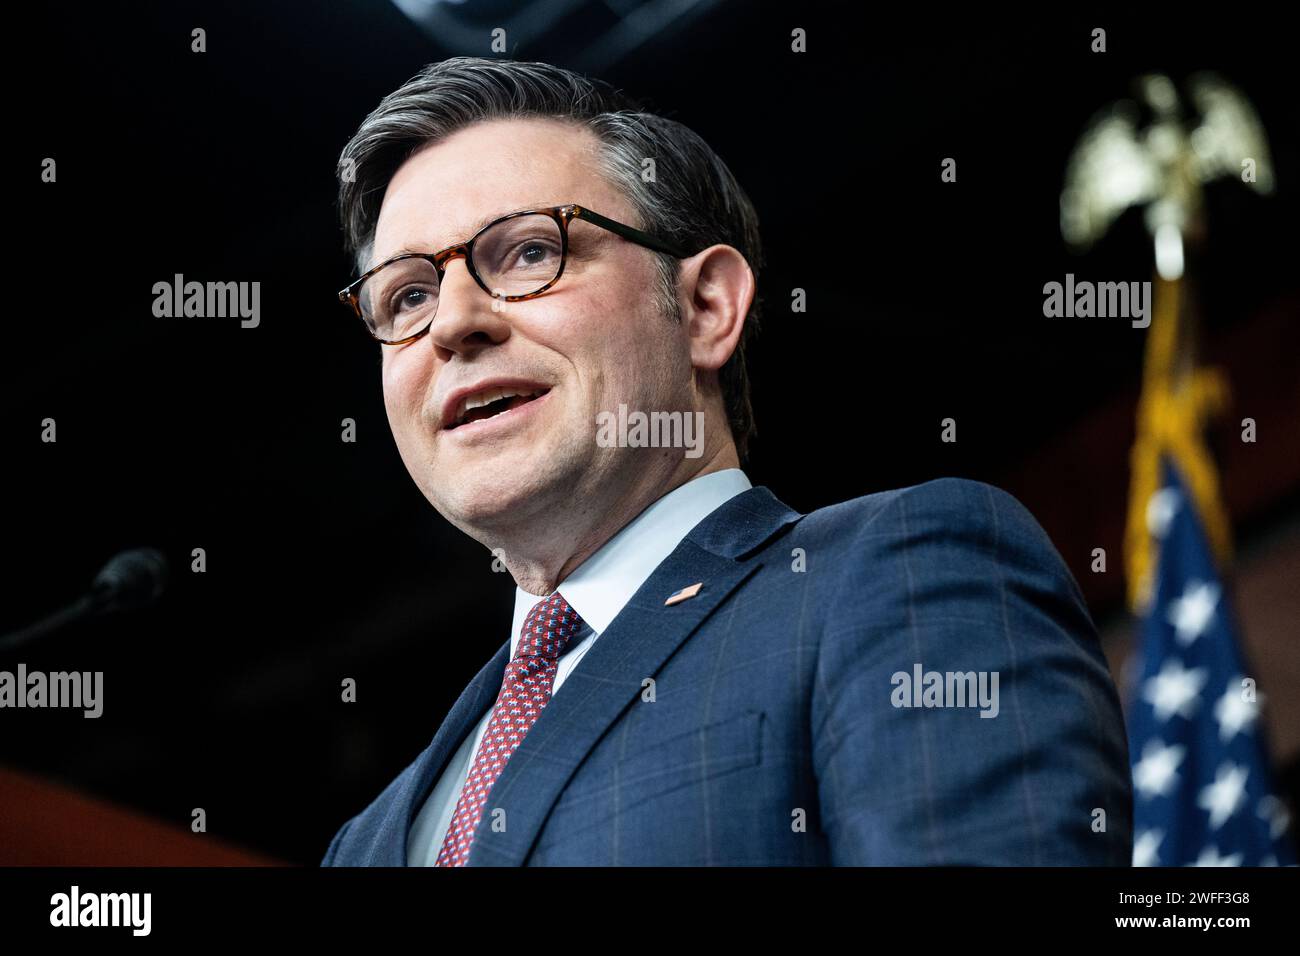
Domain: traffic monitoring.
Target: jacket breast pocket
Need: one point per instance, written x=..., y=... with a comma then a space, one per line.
x=694, y=758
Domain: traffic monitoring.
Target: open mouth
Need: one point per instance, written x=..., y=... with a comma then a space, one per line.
x=492, y=402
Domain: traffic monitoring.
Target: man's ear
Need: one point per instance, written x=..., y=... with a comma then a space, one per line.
x=718, y=286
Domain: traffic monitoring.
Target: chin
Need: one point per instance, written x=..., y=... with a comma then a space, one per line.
x=489, y=495
x=493, y=484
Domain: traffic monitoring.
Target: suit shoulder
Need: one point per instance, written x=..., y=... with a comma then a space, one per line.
x=960, y=501
x=964, y=501
x=947, y=515
x=957, y=502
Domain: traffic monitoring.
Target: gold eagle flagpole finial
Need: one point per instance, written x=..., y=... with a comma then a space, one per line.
x=1163, y=164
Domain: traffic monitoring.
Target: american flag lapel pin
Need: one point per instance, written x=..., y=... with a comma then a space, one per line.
x=685, y=594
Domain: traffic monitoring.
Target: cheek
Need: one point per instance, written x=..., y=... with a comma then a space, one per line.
x=613, y=327
x=403, y=386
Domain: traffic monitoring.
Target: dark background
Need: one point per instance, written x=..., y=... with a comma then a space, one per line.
x=325, y=562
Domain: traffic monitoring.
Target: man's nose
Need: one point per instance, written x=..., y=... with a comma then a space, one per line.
x=465, y=320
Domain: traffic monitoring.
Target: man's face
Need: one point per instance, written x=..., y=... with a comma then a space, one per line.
x=593, y=340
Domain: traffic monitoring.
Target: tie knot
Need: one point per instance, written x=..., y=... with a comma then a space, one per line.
x=548, y=628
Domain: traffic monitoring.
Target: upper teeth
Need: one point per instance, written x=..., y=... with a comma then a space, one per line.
x=488, y=396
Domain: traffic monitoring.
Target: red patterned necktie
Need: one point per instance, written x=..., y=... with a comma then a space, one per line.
x=525, y=691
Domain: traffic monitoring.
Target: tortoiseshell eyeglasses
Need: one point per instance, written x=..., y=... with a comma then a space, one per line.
x=516, y=257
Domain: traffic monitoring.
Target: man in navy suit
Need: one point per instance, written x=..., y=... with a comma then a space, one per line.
x=696, y=673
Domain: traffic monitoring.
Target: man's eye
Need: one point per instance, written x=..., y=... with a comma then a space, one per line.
x=412, y=297
x=534, y=254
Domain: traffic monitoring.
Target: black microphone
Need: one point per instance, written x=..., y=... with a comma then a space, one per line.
x=131, y=579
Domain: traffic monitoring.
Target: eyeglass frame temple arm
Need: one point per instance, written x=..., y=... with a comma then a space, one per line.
x=628, y=232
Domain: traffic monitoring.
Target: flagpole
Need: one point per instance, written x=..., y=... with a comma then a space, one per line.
x=1177, y=400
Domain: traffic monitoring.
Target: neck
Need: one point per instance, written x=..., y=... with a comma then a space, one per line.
x=583, y=528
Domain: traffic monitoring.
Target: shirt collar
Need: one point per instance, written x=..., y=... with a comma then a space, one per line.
x=600, y=587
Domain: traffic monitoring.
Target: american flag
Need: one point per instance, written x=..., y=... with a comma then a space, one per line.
x=1202, y=790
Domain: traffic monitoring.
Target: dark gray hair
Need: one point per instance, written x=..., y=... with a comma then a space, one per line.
x=693, y=200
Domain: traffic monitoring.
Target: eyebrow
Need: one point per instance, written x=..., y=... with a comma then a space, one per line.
x=420, y=249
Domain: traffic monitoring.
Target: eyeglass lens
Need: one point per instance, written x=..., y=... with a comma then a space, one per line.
x=516, y=256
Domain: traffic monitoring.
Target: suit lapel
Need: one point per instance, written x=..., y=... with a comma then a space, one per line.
x=482, y=692
x=645, y=633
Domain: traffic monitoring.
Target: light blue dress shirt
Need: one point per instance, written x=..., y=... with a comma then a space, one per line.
x=598, y=589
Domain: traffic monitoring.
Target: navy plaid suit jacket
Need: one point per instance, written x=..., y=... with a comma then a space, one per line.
x=775, y=734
